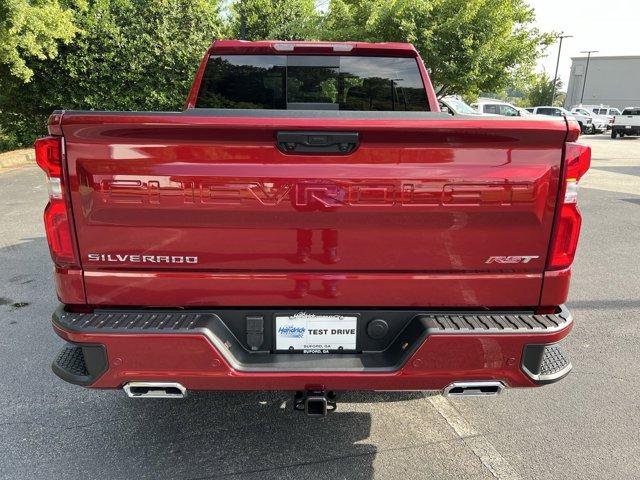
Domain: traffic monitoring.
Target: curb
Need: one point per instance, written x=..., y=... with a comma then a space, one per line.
x=17, y=158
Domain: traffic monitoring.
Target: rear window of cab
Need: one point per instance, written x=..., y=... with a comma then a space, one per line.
x=312, y=82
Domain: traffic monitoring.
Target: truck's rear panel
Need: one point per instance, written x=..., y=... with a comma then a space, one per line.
x=205, y=210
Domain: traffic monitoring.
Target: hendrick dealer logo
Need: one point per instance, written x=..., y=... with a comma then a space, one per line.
x=291, y=331
x=139, y=258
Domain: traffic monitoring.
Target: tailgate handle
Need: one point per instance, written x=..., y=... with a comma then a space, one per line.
x=341, y=143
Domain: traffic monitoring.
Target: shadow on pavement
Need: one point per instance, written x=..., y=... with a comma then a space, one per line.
x=252, y=434
x=206, y=435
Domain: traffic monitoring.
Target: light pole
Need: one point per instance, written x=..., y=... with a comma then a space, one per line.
x=562, y=36
x=586, y=71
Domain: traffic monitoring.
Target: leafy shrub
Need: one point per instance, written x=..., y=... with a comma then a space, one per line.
x=127, y=55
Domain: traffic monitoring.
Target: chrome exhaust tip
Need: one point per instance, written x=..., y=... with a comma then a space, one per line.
x=154, y=390
x=473, y=389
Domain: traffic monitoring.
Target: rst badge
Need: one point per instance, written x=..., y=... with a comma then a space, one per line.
x=512, y=259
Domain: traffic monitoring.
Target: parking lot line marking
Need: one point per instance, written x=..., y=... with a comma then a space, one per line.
x=478, y=443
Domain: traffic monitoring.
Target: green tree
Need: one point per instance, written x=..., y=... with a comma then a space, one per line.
x=127, y=55
x=275, y=19
x=469, y=46
x=540, y=90
x=32, y=29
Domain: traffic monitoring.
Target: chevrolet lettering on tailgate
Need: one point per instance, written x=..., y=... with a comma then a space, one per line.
x=161, y=190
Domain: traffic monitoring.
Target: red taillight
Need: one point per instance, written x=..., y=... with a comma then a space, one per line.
x=577, y=160
x=49, y=155
x=58, y=229
x=56, y=215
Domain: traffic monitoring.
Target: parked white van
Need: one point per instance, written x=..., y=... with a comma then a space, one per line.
x=602, y=110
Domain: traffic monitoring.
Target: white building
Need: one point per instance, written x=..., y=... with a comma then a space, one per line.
x=613, y=81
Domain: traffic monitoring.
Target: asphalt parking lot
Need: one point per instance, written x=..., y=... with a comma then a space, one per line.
x=583, y=427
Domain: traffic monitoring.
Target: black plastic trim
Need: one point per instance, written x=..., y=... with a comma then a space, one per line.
x=80, y=364
x=300, y=142
x=277, y=113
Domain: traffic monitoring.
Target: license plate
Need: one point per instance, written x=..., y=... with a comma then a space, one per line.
x=311, y=333
x=628, y=126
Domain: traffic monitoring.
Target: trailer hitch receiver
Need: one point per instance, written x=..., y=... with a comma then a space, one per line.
x=315, y=403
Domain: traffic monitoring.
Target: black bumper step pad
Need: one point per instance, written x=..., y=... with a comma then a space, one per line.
x=133, y=321
x=545, y=363
x=504, y=323
x=80, y=364
x=71, y=359
x=171, y=321
x=554, y=360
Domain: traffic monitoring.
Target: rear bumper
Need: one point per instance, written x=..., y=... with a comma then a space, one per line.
x=633, y=130
x=433, y=350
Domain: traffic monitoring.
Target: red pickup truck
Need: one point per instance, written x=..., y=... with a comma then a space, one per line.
x=311, y=222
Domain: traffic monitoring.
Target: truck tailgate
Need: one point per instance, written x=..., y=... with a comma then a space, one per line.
x=209, y=193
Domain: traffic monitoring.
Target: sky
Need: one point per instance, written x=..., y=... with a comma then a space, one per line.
x=610, y=26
